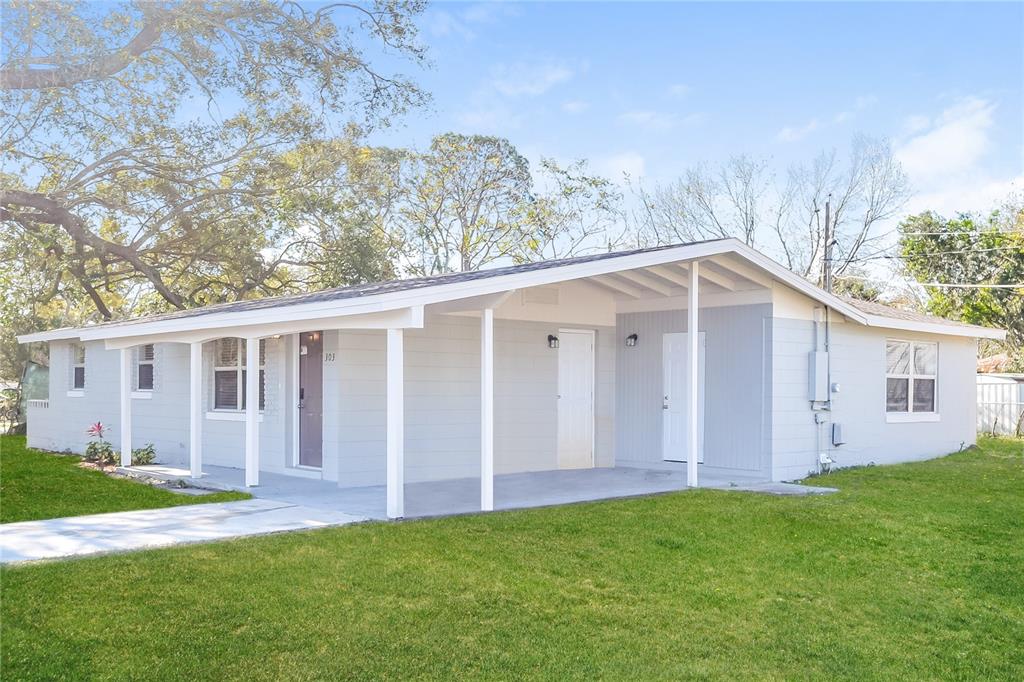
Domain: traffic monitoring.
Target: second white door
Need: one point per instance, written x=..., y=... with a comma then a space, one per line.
x=675, y=397
x=575, y=399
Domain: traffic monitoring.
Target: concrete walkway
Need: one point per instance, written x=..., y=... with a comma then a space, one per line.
x=145, y=529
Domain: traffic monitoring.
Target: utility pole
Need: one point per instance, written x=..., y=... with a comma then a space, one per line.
x=826, y=264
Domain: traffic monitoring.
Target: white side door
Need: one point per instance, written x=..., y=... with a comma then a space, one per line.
x=675, y=397
x=575, y=399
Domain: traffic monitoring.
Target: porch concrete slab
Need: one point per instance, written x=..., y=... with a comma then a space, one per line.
x=146, y=529
x=462, y=496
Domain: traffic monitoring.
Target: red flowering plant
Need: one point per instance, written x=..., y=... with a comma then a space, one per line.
x=99, y=451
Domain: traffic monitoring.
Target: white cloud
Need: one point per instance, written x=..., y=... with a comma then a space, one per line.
x=656, y=121
x=615, y=166
x=798, y=132
x=794, y=133
x=575, y=106
x=679, y=91
x=953, y=144
x=649, y=120
x=916, y=123
x=442, y=23
x=944, y=156
x=966, y=197
x=491, y=120
x=528, y=79
x=865, y=101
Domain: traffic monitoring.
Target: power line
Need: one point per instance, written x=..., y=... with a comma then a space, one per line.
x=944, y=285
x=930, y=254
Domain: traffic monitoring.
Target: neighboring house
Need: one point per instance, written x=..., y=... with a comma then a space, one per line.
x=578, y=363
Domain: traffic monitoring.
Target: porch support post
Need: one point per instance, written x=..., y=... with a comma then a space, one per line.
x=195, y=408
x=487, y=410
x=693, y=366
x=395, y=424
x=126, y=407
x=252, y=409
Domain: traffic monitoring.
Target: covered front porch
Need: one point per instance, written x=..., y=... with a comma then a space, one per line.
x=534, y=391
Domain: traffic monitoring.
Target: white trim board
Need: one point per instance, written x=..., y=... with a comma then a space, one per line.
x=281, y=318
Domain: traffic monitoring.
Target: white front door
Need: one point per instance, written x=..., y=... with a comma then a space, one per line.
x=575, y=399
x=675, y=397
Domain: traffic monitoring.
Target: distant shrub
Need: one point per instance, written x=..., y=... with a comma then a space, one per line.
x=100, y=452
x=144, y=455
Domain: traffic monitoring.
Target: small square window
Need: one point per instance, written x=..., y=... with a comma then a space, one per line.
x=77, y=366
x=145, y=360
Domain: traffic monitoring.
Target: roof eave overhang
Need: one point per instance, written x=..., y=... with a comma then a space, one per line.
x=51, y=335
x=372, y=305
x=936, y=328
x=405, y=298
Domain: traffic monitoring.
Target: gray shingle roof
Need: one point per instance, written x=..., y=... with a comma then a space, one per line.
x=883, y=310
x=360, y=290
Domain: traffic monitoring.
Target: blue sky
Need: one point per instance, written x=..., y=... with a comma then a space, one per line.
x=651, y=89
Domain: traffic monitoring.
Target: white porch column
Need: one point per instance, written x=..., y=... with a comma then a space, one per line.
x=126, y=407
x=252, y=410
x=195, y=408
x=487, y=410
x=395, y=424
x=693, y=366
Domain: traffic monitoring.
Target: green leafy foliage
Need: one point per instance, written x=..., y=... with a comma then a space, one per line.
x=144, y=455
x=44, y=485
x=971, y=249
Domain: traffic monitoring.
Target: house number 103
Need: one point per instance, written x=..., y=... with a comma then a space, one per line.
x=328, y=357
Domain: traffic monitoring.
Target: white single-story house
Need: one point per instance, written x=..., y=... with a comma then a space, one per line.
x=573, y=364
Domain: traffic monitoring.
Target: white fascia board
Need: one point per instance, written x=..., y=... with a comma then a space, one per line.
x=302, y=313
x=401, y=318
x=51, y=335
x=936, y=327
x=409, y=297
x=797, y=282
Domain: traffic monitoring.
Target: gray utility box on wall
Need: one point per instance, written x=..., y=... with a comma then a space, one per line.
x=817, y=374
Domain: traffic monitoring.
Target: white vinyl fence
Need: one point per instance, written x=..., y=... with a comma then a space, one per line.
x=1000, y=406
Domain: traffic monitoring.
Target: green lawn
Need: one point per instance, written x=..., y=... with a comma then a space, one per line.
x=40, y=485
x=910, y=572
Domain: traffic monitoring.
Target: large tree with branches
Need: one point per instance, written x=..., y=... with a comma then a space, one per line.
x=146, y=145
x=745, y=198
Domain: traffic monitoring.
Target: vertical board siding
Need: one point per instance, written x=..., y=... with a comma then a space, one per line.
x=734, y=409
x=442, y=401
x=858, y=366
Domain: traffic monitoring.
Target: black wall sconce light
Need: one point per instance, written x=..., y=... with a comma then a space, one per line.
x=631, y=340
x=552, y=341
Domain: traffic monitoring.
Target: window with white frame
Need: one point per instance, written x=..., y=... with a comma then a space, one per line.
x=144, y=361
x=77, y=366
x=910, y=376
x=229, y=374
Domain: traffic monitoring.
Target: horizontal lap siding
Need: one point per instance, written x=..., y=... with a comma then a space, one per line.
x=162, y=419
x=735, y=427
x=858, y=366
x=442, y=400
